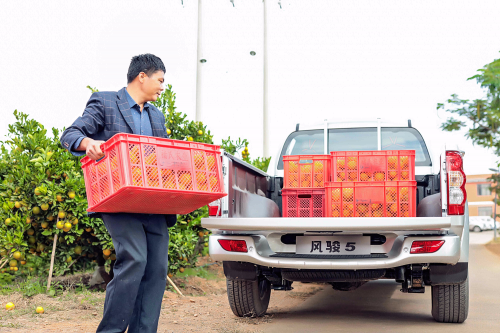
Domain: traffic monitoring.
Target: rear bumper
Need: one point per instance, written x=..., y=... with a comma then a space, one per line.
x=259, y=253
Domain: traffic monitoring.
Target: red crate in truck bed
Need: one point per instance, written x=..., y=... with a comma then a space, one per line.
x=306, y=171
x=376, y=165
x=371, y=199
x=142, y=174
x=303, y=202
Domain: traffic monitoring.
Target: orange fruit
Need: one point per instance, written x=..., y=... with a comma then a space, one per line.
x=306, y=183
x=199, y=161
x=30, y=232
x=292, y=167
x=348, y=194
x=61, y=214
x=390, y=197
x=306, y=168
x=404, y=162
x=211, y=162
x=8, y=221
x=44, y=206
x=405, y=175
x=365, y=176
x=151, y=159
x=134, y=155
x=39, y=310
x=17, y=204
x=404, y=193
x=341, y=164
x=340, y=176
x=71, y=194
x=36, y=210
x=379, y=176
x=67, y=226
x=181, y=269
x=318, y=177
x=393, y=208
x=393, y=175
x=352, y=165
x=336, y=194
x=17, y=255
x=10, y=306
x=59, y=198
x=353, y=176
x=60, y=224
x=69, y=259
x=392, y=162
x=106, y=252
x=318, y=166
x=13, y=263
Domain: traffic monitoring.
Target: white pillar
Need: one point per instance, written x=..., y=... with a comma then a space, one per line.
x=265, y=137
x=199, y=64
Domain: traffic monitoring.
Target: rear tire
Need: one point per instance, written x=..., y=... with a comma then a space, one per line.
x=249, y=298
x=450, y=303
x=477, y=229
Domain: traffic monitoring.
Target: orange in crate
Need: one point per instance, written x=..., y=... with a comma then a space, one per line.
x=371, y=199
x=141, y=174
x=306, y=171
x=377, y=165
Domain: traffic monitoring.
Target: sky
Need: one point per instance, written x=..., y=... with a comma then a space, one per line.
x=330, y=60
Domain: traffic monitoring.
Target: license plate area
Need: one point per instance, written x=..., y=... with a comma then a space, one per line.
x=333, y=245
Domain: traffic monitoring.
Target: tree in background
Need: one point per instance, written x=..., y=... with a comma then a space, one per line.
x=481, y=117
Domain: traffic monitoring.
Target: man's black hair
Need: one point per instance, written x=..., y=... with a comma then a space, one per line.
x=147, y=63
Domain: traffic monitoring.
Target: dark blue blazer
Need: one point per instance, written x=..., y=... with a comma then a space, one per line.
x=106, y=114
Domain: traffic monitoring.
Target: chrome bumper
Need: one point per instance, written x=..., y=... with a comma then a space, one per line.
x=259, y=253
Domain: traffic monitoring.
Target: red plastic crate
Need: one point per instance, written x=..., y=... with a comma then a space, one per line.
x=376, y=165
x=306, y=171
x=371, y=199
x=303, y=203
x=142, y=174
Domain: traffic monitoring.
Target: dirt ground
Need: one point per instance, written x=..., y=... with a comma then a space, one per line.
x=204, y=308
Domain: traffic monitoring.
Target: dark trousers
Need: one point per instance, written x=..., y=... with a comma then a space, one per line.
x=134, y=295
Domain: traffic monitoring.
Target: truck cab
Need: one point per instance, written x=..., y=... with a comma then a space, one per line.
x=262, y=251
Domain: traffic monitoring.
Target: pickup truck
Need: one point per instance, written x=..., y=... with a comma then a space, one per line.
x=259, y=248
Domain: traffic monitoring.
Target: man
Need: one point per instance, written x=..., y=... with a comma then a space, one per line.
x=134, y=295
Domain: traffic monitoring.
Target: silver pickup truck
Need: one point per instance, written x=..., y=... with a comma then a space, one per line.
x=261, y=250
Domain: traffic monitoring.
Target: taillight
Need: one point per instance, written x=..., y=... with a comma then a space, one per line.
x=426, y=246
x=456, y=183
x=232, y=245
x=214, y=208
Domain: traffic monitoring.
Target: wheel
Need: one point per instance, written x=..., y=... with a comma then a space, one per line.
x=249, y=298
x=450, y=303
x=477, y=229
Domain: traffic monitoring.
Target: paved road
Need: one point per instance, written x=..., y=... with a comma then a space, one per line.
x=379, y=306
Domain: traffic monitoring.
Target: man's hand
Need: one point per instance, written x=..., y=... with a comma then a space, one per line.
x=92, y=148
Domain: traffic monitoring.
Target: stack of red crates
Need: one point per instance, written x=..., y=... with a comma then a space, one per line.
x=350, y=184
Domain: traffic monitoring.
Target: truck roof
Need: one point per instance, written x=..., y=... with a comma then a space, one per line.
x=348, y=123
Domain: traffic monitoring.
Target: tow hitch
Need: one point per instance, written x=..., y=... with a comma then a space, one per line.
x=413, y=281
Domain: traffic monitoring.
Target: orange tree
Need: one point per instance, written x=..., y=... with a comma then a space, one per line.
x=42, y=193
